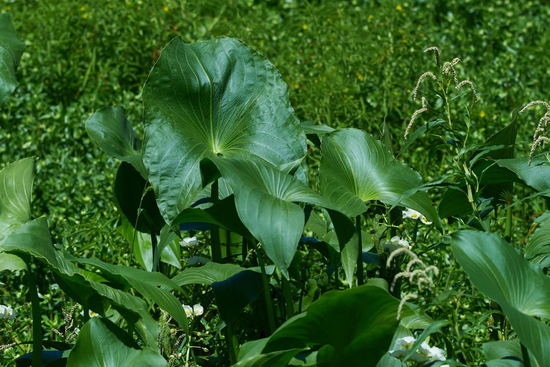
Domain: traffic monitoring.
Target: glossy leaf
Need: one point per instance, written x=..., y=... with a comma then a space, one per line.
x=99, y=345
x=358, y=324
x=11, y=49
x=212, y=99
x=502, y=274
x=264, y=197
x=356, y=168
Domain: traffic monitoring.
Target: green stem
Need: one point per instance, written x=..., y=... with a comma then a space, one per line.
x=525, y=356
x=508, y=229
x=228, y=253
x=36, y=318
x=232, y=343
x=244, y=248
x=215, y=232
x=267, y=297
x=360, y=277
x=287, y=294
x=156, y=252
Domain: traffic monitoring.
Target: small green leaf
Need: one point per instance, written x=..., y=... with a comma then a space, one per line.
x=112, y=132
x=10, y=262
x=15, y=193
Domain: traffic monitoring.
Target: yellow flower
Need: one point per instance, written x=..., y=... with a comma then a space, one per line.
x=305, y=27
x=295, y=85
x=360, y=76
x=166, y=8
x=371, y=17
x=398, y=7
x=482, y=114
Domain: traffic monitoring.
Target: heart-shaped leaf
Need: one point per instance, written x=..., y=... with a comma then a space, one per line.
x=213, y=99
x=356, y=168
x=535, y=174
x=11, y=49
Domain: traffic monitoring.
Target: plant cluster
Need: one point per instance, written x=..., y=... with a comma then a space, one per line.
x=285, y=264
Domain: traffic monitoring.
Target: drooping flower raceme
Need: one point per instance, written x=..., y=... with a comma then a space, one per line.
x=6, y=312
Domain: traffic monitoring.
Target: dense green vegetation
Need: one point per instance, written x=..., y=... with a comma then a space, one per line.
x=435, y=225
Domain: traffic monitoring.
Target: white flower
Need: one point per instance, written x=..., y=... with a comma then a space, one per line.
x=198, y=310
x=425, y=220
x=411, y=213
x=189, y=241
x=188, y=310
x=436, y=354
x=402, y=346
x=396, y=240
x=6, y=312
x=90, y=313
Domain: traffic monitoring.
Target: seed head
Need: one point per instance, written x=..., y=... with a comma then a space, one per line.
x=471, y=85
x=436, y=52
x=420, y=80
x=413, y=117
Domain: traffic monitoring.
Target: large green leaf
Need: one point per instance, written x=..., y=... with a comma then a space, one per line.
x=356, y=168
x=213, y=99
x=153, y=286
x=536, y=174
x=505, y=276
x=110, y=129
x=356, y=327
x=11, y=49
x=264, y=197
x=99, y=345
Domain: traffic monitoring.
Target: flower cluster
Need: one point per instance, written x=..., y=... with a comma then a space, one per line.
x=413, y=214
x=196, y=310
x=423, y=354
x=6, y=312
